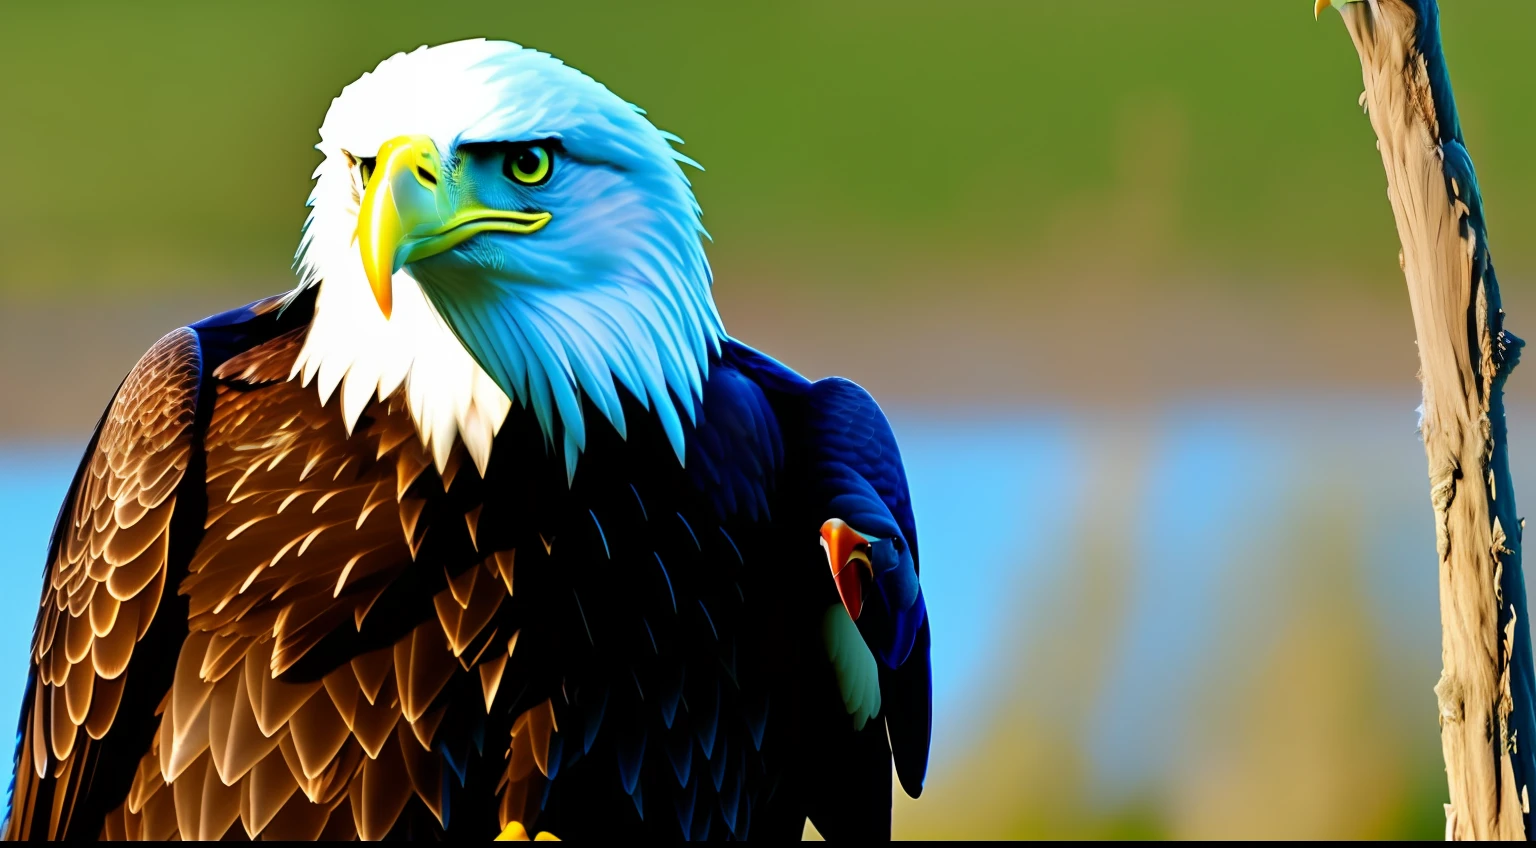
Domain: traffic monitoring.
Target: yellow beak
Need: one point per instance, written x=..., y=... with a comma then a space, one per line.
x=407, y=213
x=1317, y=10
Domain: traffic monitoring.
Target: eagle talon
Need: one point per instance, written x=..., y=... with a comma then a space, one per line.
x=515, y=832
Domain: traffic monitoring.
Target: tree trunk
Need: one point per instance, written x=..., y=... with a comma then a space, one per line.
x=1485, y=688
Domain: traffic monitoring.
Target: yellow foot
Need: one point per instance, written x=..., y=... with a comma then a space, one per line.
x=515, y=832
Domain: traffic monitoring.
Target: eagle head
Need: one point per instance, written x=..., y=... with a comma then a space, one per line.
x=490, y=226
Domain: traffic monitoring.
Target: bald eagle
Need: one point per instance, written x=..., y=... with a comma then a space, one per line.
x=487, y=526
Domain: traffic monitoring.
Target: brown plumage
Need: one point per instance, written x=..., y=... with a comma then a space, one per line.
x=106, y=581
x=304, y=529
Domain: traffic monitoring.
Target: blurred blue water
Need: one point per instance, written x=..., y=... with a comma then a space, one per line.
x=1236, y=473
x=1233, y=500
x=33, y=480
x=1005, y=502
x=991, y=496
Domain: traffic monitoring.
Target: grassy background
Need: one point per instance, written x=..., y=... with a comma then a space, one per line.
x=169, y=145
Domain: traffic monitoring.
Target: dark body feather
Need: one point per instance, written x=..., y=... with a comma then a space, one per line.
x=257, y=624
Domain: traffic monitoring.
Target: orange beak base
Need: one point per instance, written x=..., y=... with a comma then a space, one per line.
x=846, y=550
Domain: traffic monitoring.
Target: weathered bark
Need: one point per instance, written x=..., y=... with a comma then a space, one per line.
x=1485, y=687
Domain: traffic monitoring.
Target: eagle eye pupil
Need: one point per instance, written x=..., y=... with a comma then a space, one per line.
x=529, y=166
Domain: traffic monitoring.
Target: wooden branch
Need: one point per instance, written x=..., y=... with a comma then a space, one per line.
x=1485, y=689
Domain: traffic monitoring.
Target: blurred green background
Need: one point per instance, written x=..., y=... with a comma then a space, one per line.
x=857, y=133
x=1122, y=271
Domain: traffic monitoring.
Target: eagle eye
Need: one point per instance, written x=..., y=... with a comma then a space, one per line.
x=528, y=166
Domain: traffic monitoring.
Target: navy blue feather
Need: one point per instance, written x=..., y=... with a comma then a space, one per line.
x=855, y=473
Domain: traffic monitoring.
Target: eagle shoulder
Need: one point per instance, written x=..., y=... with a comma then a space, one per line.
x=105, y=580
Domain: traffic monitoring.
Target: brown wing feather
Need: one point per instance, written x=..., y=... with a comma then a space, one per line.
x=105, y=582
x=527, y=764
x=306, y=526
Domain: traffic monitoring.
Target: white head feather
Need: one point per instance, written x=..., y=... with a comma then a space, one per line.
x=614, y=292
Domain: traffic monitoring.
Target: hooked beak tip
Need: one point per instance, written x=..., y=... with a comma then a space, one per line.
x=378, y=243
x=383, y=294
